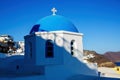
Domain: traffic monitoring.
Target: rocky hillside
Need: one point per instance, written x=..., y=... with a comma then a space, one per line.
x=113, y=56
x=100, y=59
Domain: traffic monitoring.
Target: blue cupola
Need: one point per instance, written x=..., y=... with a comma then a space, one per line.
x=54, y=23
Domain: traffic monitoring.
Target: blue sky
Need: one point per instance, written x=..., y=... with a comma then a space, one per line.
x=98, y=20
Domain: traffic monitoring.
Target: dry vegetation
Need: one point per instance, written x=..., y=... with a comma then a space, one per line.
x=101, y=60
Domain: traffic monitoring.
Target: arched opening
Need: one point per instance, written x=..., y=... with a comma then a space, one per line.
x=72, y=47
x=49, y=49
x=17, y=67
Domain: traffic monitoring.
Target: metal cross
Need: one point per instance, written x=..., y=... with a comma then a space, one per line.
x=54, y=11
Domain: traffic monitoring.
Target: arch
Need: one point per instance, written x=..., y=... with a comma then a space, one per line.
x=72, y=44
x=49, y=49
x=17, y=67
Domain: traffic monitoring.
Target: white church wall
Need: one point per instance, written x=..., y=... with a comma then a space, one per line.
x=41, y=59
x=67, y=72
x=74, y=62
x=78, y=45
x=76, y=66
x=57, y=72
x=62, y=51
x=62, y=60
x=30, y=49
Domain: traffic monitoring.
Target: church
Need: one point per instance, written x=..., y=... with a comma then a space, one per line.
x=53, y=51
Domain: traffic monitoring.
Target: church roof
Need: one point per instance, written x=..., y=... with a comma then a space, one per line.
x=54, y=23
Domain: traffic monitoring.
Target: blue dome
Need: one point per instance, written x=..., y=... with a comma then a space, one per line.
x=55, y=23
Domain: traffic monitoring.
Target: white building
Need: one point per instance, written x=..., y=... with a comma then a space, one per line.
x=53, y=51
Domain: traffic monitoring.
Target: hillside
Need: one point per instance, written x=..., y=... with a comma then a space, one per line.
x=113, y=56
x=100, y=59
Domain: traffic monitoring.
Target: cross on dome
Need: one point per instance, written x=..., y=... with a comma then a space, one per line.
x=54, y=11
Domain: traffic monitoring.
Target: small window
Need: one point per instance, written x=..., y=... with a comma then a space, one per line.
x=49, y=49
x=17, y=67
x=72, y=47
